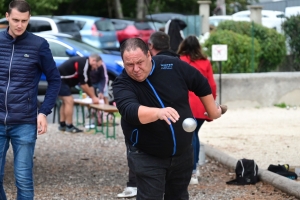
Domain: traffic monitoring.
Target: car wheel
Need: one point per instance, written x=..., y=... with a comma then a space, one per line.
x=110, y=89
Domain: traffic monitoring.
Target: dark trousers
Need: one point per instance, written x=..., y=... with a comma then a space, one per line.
x=131, y=179
x=161, y=178
x=196, y=142
x=131, y=175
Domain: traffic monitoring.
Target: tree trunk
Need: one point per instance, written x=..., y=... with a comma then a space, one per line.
x=118, y=9
x=146, y=7
x=109, y=8
x=157, y=7
x=140, y=9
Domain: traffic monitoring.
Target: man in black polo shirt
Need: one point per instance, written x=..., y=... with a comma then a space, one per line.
x=159, y=44
x=152, y=97
x=75, y=71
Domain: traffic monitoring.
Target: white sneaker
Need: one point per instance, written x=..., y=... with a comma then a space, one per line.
x=197, y=172
x=194, y=179
x=128, y=192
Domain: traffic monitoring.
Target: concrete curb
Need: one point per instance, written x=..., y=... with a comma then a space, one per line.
x=284, y=184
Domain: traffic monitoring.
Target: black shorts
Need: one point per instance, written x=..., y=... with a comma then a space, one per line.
x=65, y=89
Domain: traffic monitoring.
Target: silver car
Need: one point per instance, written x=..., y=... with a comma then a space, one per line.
x=96, y=31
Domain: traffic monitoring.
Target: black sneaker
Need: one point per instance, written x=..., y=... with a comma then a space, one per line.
x=73, y=129
x=62, y=128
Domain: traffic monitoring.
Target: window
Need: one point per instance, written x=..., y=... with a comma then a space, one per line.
x=142, y=26
x=38, y=26
x=80, y=24
x=4, y=23
x=104, y=25
x=119, y=25
x=67, y=26
x=57, y=50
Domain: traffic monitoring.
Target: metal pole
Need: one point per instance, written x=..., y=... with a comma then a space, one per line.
x=252, y=48
x=220, y=81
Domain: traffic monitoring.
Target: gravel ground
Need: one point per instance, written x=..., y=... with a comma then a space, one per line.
x=87, y=166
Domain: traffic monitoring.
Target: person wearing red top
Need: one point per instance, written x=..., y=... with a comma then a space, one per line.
x=190, y=51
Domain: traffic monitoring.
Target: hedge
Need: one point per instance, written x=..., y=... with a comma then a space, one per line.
x=272, y=43
x=239, y=51
x=291, y=29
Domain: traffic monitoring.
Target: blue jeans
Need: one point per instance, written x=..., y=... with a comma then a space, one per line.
x=22, y=138
x=196, y=143
x=161, y=178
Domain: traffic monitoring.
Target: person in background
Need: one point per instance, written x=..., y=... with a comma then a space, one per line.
x=159, y=44
x=23, y=58
x=190, y=51
x=74, y=71
x=152, y=97
x=174, y=29
x=99, y=80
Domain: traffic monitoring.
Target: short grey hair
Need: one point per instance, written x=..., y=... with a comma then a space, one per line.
x=133, y=44
x=160, y=41
x=96, y=56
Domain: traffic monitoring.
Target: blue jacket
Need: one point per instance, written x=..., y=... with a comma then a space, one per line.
x=22, y=61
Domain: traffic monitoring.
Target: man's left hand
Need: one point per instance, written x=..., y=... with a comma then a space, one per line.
x=95, y=100
x=42, y=123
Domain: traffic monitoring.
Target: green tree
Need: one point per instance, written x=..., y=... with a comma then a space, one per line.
x=291, y=29
x=272, y=54
x=106, y=8
x=40, y=7
x=239, y=51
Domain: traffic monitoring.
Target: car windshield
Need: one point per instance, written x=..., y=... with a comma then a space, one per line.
x=215, y=22
x=83, y=47
x=67, y=26
x=104, y=25
x=142, y=26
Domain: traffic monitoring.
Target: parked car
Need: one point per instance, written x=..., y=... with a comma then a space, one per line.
x=264, y=14
x=131, y=29
x=63, y=48
x=293, y=10
x=215, y=20
x=164, y=17
x=50, y=24
x=96, y=31
x=270, y=18
x=3, y=27
x=157, y=25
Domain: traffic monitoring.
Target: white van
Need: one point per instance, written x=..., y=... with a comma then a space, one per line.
x=294, y=10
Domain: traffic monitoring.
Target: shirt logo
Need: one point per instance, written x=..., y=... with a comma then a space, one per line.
x=26, y=55
x=166, y=66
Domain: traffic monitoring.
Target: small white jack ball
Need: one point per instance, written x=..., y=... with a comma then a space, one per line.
x=189, y=125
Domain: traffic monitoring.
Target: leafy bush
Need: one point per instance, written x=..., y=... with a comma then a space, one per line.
x=272, y=43
x=239, y=51
x=291, y=29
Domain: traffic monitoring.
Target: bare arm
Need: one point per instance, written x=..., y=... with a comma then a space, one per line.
x=90, y=92
x=212, y=110
x=149, y=114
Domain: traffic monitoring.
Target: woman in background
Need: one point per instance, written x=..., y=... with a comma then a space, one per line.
x=190, y=51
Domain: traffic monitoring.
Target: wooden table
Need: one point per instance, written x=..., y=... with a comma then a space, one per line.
x=81, y=103
x=109, y=109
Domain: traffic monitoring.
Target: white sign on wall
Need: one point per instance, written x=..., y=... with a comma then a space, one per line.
x=219, y=52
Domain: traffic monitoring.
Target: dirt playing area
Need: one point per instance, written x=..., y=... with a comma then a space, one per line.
x=90, y=167
x=267, y=135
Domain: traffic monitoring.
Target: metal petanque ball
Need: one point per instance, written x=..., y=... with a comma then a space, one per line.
x=189, y=125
